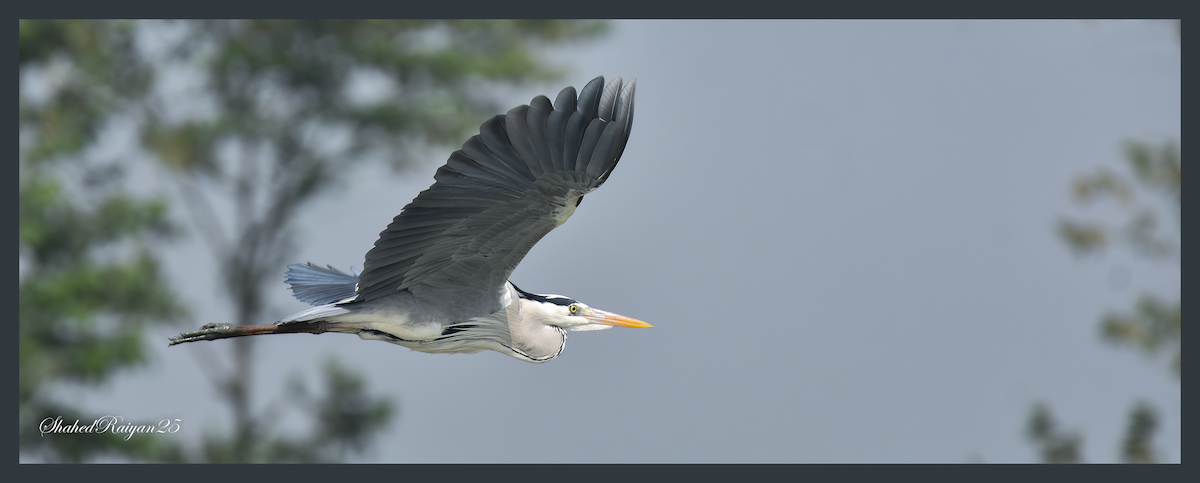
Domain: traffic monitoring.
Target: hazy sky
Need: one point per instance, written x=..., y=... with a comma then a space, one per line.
x=843, y=232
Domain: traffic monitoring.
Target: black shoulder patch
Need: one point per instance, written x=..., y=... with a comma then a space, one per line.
x=552, y=299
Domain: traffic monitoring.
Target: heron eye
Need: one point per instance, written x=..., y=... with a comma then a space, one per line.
x=574, y=308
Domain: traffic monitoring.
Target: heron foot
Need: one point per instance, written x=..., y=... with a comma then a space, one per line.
x=206, y=332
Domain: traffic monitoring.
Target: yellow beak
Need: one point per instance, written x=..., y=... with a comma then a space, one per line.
x=608, y=318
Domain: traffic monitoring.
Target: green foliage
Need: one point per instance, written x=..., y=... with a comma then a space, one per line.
x=1152, y=326
x=1138, y=447
x=90, y=68
x=89, y=283
x=82, y=319
x=1156, y=175
x=1054, y=445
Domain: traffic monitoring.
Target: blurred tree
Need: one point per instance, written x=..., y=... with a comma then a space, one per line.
x=265, y=115
x=88, y=281
x=1153, y=188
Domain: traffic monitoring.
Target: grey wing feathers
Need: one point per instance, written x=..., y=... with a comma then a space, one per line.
x=319, y=286
x=498, y=195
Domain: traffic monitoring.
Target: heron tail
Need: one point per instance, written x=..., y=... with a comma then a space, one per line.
x=320, y=286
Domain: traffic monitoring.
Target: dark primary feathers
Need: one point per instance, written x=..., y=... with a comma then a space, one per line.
x=494, y=199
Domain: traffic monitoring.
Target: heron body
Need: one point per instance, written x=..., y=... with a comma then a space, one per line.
x=437, y=279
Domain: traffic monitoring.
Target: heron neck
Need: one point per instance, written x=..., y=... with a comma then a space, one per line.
x=531, y=338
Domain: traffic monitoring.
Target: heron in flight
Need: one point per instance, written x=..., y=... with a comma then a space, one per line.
x=437, y=278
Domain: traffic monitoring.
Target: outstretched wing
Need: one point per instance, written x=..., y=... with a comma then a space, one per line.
x=520, y=177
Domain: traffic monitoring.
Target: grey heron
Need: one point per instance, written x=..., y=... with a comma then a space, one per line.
x=437, y=278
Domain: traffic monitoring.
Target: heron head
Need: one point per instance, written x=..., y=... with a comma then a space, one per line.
x=578, y=316
x=571, y=314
